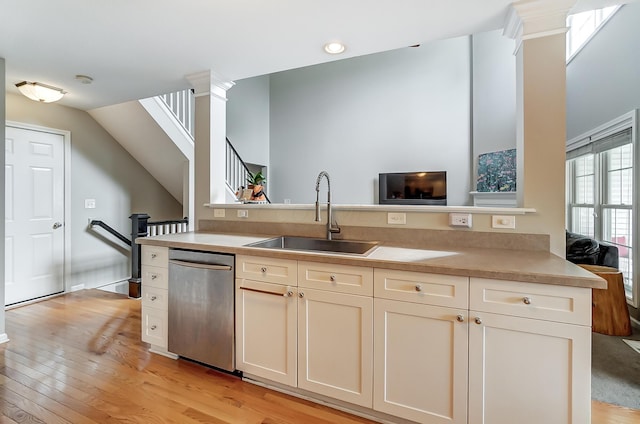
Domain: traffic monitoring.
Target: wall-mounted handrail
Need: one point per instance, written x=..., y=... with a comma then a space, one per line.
x=102, y=224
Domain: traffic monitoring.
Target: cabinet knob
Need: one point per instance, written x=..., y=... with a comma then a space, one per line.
x=263, y=269
x=526, y=300
x=288, y=294
x=478, y=320
x=153, y=327
x=153, y=298
x=153, y=256
x=300, y=295
x=332, y=278
x=418, y=287
x=460, y=318
x=154, y=276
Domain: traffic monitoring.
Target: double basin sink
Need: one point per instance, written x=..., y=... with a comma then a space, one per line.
x=316, y=245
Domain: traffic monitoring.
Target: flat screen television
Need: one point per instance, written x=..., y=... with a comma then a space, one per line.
x=413, y=188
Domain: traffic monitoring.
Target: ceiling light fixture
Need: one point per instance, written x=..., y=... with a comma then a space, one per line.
x=334, y=47
x=40, y=92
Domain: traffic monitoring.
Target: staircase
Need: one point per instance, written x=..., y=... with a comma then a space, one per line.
x=159, y=133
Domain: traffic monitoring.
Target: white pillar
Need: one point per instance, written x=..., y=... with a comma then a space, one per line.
x=539, y=27
x=210, y=139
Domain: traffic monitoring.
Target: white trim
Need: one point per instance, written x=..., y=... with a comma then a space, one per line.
x=628, y=120
x=67, y=191
x=4, y=338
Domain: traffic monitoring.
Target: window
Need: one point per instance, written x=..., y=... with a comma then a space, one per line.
x=600, y=169
x=582, y=26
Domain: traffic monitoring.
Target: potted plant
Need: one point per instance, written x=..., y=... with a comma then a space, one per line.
x=255, y=182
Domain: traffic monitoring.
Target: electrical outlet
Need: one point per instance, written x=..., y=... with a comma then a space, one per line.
x=243, y=213
x=503, y=221
x=396, y=218
x=89, y=203
x=218, y=213
x=460, y=220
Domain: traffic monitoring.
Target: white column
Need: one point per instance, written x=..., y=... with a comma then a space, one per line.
x=539, y=27
x=3, y=335
x=210, y=138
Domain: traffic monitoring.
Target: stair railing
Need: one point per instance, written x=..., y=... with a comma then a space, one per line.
x=237, y=170
x=141, y=227
x=182, y=105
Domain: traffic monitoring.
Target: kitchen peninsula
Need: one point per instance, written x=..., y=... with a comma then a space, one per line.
x=461, y=335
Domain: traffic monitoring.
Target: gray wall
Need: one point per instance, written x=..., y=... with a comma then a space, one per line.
x=100, y=169
x=403, y=110
x=248, y=119
x=494, y=94
x=2, y=191
x=603, y=80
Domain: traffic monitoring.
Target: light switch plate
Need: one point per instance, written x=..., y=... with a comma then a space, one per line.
x=218, y=213
x=396, y=218
x=503, y=221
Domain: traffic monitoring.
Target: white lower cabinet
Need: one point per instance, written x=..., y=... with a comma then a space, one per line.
x=421, y=357
x=529, y=370
x=266, y=325
x=155, y=263
x=335, y=345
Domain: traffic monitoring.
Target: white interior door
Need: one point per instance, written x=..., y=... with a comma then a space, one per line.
x=34, y=202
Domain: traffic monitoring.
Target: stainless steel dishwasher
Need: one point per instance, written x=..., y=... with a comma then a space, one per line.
x=201, y=307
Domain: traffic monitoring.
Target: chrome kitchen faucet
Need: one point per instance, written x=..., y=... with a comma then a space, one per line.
x=330, y=228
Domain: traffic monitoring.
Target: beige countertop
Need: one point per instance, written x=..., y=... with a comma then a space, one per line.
x=501, y=264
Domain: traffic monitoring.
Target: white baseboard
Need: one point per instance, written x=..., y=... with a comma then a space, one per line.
x=77, y=287
x=4, y=338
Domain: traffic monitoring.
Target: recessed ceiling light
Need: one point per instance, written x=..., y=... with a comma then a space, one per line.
x=334, y=47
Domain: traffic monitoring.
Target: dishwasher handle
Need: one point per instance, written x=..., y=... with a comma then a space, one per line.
x=201, y=265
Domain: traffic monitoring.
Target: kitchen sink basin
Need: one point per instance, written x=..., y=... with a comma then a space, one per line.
x=316, y=245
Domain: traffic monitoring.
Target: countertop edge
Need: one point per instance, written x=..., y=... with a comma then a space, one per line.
x=563, y=279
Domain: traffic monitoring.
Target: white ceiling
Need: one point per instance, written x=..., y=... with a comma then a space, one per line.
x=139, y=48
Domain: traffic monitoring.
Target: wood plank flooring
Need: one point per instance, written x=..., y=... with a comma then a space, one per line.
x=78, y=359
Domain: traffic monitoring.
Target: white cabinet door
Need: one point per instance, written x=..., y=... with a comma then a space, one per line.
x=266, y=339
x=421, y=359
x=528, y=371
x=335, y=345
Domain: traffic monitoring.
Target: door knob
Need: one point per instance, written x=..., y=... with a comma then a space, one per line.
x=57, y=225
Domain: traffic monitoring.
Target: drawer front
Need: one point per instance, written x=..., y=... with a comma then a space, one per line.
x=530, y=300
x=155, y=256
x=430, y=289
x=271, y=270
x=154, y=276
x=338, y=278
x=155, y=298
x=154, y=327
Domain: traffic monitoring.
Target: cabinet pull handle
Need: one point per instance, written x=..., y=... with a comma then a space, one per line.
x=153, y=298
x=526, y=300
x=287, y=294
x=418, y=287
x=199, y=265
x=263, y=269
x=460, y=318
x=478, y=320
x=301, y=295
x=153, y=327
x=332, y=278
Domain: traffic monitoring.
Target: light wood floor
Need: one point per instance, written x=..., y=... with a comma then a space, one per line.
x=78, y=359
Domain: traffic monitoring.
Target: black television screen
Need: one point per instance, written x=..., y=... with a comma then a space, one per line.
x=413, y=188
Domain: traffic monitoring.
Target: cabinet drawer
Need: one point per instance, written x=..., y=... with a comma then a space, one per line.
x=432, y=289
x=154, y=327
x=338, y=278
x=154, y=276
x=271, y=270
x=155, y=298
x=530, y=300
x=155, y=256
